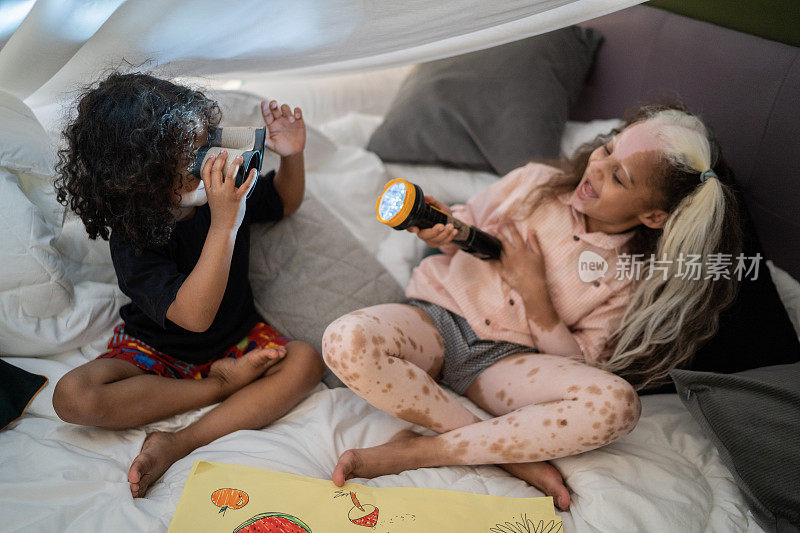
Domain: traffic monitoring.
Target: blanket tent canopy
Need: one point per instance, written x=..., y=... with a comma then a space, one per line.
x=71, y=41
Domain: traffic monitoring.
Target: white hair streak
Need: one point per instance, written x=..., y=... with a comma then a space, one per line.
x=668, y=319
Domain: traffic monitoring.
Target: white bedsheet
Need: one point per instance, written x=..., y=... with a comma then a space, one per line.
x=664, y=476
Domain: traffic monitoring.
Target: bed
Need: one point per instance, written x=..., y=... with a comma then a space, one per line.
x=664, y=476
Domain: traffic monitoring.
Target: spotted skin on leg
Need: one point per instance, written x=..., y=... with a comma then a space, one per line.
x=393, y=352
x=556, y=394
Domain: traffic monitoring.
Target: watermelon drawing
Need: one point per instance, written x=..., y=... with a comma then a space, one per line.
x=273, y=523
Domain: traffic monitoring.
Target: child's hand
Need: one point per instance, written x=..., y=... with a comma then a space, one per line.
x=522, y=266
x=440, y=234
x=227, y=203
x=286, y=131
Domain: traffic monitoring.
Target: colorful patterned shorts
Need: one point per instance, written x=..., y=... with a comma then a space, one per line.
x=123, y=346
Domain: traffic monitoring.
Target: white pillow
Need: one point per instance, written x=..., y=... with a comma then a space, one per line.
x=24, y=145
x=41, y=310
x=352, y=129
x=33, y=281
x=322, y=99
x=577, y=133
x=27, y=151
x=241, y=108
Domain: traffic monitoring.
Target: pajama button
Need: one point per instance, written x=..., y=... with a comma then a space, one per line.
x=488, y=321
x=575, y=238
x=596, y=283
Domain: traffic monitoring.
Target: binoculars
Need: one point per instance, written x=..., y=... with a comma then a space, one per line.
x=238, y=141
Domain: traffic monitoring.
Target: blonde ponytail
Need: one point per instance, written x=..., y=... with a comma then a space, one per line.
x=669, y=316
x=667, y=320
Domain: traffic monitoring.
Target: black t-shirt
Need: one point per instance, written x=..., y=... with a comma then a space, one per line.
x=152, y=279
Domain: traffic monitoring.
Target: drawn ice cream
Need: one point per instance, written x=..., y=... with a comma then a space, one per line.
x=360, y=514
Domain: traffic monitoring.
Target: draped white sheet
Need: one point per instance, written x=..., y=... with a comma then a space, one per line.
x=62, y=44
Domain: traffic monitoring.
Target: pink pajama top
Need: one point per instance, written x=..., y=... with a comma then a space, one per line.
x=590, y=309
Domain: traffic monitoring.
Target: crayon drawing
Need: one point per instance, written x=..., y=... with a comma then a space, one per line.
x=526, y=525
x=273, y=523
x=360, y=514
x=229, y=499
x=290, y=503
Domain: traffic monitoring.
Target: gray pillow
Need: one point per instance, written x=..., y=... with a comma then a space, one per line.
x=308, y=270
x=491, y=110
x=753, y=418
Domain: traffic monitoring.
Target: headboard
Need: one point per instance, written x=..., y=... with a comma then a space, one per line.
x=746, y=88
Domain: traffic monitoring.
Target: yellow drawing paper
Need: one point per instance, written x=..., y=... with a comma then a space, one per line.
x=230, y=498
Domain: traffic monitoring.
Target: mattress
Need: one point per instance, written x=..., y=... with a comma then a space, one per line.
x=664, y=476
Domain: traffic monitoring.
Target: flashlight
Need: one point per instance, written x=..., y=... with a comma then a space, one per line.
x=402, y=205
x=243, y=141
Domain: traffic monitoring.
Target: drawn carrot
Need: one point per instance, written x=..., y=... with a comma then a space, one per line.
x=355, y=500
x=362, y=515
x=229, y=499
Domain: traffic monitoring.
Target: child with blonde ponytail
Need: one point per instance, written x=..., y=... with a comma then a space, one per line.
x=670, y=316
x=591, y=288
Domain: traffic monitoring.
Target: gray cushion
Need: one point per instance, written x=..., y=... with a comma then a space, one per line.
x=492, y=110
x=308, y=270
x=753, y=418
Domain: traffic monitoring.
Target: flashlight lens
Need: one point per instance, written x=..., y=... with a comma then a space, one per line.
x=392, y=201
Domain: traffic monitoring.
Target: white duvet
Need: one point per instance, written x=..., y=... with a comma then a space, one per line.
x=664, y=476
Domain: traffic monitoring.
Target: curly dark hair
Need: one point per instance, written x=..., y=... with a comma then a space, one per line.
x=126, y=153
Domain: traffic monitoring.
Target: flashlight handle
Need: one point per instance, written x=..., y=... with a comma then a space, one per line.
x=481, y=244
x=437, y=216
x=468, y=238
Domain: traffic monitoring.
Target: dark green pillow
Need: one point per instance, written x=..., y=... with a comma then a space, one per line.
x=17, y=389
x=491, y=110
x=753, y=418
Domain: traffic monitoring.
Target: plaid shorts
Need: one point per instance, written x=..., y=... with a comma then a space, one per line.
x=123, y=346
x=465, y=355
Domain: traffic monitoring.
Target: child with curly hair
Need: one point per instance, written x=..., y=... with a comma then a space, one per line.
x=543, y=349
x=190, y=337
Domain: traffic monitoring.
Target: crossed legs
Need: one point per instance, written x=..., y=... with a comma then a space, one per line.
x=545, y=406
x=254, y=390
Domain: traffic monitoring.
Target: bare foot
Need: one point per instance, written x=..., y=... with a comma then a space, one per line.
x=541, y=475
x=233, y=374
x=159, y=451
x=544, y=477
x=401, y=453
